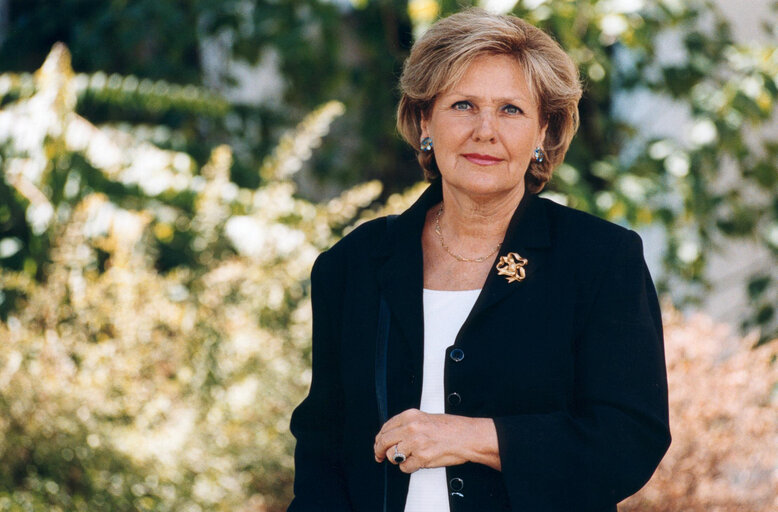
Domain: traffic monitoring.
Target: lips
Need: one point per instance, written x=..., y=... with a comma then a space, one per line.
x=480, y=159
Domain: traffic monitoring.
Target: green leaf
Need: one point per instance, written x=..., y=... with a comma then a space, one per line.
x=758, y=285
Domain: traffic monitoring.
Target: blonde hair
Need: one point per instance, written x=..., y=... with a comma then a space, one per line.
x=438, y=60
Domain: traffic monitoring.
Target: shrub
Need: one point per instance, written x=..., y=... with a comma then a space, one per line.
x=723, y=417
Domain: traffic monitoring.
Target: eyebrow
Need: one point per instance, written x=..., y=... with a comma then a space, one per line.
x=516, y=99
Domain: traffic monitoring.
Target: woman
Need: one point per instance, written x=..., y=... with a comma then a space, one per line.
x=521, y=340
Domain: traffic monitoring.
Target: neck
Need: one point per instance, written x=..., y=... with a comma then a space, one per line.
x=475, y=220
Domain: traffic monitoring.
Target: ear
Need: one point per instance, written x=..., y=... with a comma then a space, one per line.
x=424, y=125
x=541, y=136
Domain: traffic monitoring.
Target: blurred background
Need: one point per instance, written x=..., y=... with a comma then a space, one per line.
x=169, y=170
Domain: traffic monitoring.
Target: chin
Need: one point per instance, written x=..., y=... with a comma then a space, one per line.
x=488, y=187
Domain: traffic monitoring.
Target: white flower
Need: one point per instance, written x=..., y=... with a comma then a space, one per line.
x=498, y=6
x=286, y=239
x=660, y=150
x=246, y=234
x=243, y=394
x=127, y=226
x=688, y=251
x=102, y=152
x=78, y=134
x=613, y=25
x=604, y=201
x=772, y=234
x=703, y=132
x=9, y=247
x=632, y=187
x=626, y=6
x=39, y=216
x=677, y=164
x=568, y=173
x=99, y=219
x=752, y=86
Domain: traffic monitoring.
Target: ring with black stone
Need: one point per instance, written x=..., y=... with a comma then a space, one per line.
x=398, y=457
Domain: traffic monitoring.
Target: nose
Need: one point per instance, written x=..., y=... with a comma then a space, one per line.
x=485, y=129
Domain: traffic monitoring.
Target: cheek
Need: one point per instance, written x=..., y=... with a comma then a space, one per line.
x=446, y=161
x=523, y=147
x=524, y=153
x=447, y=143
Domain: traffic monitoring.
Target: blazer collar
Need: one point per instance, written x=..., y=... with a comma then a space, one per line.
x=400, y=274
x=528, y=236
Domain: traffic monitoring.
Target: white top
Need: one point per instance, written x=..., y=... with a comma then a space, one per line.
x=444, y=313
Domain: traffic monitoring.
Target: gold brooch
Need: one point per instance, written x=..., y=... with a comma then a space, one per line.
x=512, y=267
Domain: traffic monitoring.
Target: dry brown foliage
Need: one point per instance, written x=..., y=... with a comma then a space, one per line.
x=724, y=422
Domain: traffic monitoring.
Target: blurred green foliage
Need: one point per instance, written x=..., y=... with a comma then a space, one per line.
x=127, y=385
x=710, y=184
x=154, y=246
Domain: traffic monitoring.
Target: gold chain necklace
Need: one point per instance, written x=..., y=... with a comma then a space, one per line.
x=439, y=232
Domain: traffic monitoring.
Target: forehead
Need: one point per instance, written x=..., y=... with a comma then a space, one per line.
x=497, y=76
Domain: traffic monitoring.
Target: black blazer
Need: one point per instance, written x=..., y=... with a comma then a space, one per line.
x=569, y=362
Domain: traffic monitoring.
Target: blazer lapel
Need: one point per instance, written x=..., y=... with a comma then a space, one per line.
x=528, y=236
x=401, y=273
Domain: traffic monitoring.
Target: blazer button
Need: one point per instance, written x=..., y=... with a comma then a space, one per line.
x=456, y=485
x=454, y=399
x=457, y=355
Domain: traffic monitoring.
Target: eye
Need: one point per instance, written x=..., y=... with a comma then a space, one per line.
x=461, y=105
x=512, y=109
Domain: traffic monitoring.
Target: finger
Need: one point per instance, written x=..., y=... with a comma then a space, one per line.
x=396, y=429
x=397, y=455
x=388, y=452
x=411, y=465
x=386, y=441
x=401, y=419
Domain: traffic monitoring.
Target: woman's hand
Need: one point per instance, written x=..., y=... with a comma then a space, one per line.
x=437, y=440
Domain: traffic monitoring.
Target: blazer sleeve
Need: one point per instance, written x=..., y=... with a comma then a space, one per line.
x=609, y=447
x=317, y=422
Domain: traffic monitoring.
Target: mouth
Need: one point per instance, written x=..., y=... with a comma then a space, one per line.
x=480, y=159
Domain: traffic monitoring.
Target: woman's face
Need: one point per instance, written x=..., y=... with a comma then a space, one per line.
x=485, y=129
